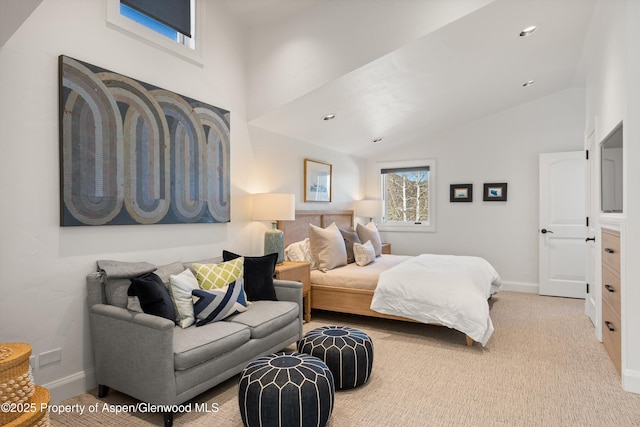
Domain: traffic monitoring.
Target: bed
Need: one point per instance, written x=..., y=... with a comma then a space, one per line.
x=386, y=283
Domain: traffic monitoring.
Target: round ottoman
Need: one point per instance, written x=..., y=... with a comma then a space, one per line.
x=286, y=389
x=348, y=352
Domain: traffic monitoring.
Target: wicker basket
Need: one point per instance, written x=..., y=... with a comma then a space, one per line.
x=16, y=383
x=38, y=417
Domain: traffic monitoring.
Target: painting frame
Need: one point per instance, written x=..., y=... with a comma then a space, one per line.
x=495, y=192
x=461, y=193
x=318, y=184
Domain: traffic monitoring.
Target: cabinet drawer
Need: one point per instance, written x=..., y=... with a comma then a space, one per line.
x=611, y=249
x=611, y=288
x=611, y=337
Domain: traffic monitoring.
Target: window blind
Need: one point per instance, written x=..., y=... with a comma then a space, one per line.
x=409, y=169
x=173, y=13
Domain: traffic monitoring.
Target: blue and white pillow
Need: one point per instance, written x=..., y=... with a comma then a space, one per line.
x=216, y=304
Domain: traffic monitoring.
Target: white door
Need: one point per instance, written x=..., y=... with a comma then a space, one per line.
x=562, y=224
x=590, y=249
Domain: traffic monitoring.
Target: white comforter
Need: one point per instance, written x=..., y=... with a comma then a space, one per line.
x=446, y=289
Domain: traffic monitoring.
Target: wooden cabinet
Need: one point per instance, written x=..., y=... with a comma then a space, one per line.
x=611, y=325
x=386, y=248
x=298, y=272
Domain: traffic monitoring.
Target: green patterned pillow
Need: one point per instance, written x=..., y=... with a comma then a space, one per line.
x=212, y=276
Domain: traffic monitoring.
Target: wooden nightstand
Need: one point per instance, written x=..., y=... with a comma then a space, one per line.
x=298, y=272
x=386, y=248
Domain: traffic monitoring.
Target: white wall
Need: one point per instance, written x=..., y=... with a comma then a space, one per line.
x=43, y=266
x=500, y=148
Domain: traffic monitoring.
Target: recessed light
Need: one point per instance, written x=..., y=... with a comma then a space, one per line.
x=528, y=31
x=376, y=140
x=529, y=83
x=329, y=117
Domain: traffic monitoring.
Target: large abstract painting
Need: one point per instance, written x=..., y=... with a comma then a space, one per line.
x=132, y=153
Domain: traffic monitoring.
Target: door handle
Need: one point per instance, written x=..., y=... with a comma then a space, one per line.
x=608, y=250
x=590, y=239
x=545, y=231
x=609, y=288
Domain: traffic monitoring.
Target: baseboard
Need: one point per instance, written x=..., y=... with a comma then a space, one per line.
x=631, y=381
x=530, y=288
x=70, y=386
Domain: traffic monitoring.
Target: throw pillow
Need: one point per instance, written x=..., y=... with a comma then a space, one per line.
x=370, y=232
x=180, y=287
x=350, y=237
x=364, y=253
x=153, y=295
x=258, y=275
x=211, y=276
x=327, y=247
x=299, y=251
x=219, y=303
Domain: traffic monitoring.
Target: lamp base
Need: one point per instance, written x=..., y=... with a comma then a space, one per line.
x=274, y=243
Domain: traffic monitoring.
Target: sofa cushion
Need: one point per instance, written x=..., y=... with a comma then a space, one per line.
x=217, y=304
x=258, y=275
x=153, y=295
x=180, y=286
x=266, y=317
x=192, y=346
x=115, y=277
x=164, y=271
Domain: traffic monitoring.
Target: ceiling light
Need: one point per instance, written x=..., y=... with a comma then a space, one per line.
x=528, y=31
x=529, y=83
x=329, y=117
x=376, y=140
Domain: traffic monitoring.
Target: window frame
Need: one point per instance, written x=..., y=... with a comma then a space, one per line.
x=141, y=32
x=430, y=226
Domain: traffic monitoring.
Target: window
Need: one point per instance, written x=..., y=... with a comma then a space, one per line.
x=168, y=24
x=408, y=195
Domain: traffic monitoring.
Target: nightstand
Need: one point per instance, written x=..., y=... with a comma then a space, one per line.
x=298, y=272
x=386, y=248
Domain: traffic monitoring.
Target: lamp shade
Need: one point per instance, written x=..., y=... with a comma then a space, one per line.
x=274, y=207
x=369, y=208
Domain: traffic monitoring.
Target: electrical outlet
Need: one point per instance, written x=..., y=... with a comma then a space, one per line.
x=33, y=361
x=51, y=356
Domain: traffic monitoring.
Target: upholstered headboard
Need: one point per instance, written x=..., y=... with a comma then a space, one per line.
x=298, y=229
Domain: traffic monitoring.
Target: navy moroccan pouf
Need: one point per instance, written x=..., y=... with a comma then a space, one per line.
x=286, y=389
x=347, y=351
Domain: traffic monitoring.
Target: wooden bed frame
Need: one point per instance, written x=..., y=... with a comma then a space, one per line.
x=331, y=298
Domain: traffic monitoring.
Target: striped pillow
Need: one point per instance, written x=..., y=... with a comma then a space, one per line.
x=217, y=304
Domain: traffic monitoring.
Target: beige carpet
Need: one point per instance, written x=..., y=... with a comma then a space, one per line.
x=542, y=367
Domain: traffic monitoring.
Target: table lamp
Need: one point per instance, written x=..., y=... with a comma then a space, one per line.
x=369, y=209
x=274, y=207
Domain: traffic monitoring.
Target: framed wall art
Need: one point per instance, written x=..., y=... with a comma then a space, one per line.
x=461, y=193
x=133, y=153
x=495, y=192
x=317, y=181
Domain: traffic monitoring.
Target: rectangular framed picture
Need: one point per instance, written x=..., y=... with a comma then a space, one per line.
x=317, y=181
x=495, y=192
x=461, y=193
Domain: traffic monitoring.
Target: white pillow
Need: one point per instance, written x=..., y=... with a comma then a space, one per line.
x=327, y=247
x=370, y=232
x=180, y=287
x=300, y=252
x=364, y=253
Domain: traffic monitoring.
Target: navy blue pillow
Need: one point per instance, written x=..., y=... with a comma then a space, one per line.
x=153, y=295
x=258, y=275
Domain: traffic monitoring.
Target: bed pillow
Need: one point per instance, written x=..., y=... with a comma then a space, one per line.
x=327, y=247
x=153, y=296
x=350, y=237
x=180, y=287
x=258, y=275
x=300, y=252
x=364, y=253
x=219, y=303
x=370, y=232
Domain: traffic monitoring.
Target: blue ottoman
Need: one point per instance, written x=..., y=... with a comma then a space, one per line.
x=286, y=389
x=348, y=353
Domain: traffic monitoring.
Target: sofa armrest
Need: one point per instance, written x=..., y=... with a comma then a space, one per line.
x=287, y=290
x=134, y=353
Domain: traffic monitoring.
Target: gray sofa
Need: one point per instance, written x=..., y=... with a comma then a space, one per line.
x=153, y=360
